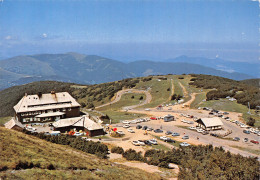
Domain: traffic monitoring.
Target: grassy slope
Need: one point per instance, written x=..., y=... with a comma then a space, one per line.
x=16, y=146
x=113, y=110
x=158, y=91
x=3, y=120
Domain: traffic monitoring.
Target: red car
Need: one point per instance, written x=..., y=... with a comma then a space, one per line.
x=153, y=118
x=254, y=141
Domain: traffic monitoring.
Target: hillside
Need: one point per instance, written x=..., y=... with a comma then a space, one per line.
x=252, y=82
x=24, y=156
x=92, y=69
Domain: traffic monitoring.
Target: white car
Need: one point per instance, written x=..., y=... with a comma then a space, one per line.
x=136, y=143
x=184, y=144
x=153, y=141
x=126, y=126
x=78, y=134
x=131, y=130
x=125, y=122
x=164, y=138
x=192, y=128
x=133, y=122
x=141, y=142
x=121, y=132
x=184, y=121
x=147, y=109
x=200, y=130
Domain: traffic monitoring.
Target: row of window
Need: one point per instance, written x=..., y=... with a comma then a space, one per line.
x=38, y=119
x=44, y=111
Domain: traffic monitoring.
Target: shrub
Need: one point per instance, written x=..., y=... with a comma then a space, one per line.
x=117, y=149
x=251, y=121
x=132, y=155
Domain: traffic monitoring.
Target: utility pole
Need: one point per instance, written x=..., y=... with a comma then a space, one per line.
x=248, y=108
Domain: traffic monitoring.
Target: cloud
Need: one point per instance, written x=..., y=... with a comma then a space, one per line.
x=44, y=35
x=8, y=38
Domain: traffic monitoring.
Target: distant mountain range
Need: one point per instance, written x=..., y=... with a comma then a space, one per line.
x=252, y=69
x=92, y=69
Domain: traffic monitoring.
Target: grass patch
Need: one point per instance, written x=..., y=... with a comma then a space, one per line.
x=253, y=151
x=158, y=91
x=116, y=116
x=226, y=105
x=127, y=99
x=198, y=99
x=3, y=120
x=68, y=163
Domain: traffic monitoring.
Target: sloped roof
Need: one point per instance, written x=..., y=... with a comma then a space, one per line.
x=78, y=122
x=10, y=124
x=210, y=122
x=46, y=101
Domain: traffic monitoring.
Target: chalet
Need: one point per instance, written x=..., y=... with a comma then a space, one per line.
x=83, y=123
x=41, y=108
x=14, y=124
x=214, y=123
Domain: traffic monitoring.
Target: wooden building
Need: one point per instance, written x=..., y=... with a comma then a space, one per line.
x=41, y=108
x=14, y=124
x=208, y=124
x=83, y=123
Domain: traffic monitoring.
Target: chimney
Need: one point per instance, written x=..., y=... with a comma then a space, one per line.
x=39, y=94
x=25, y=94
x=52, y=92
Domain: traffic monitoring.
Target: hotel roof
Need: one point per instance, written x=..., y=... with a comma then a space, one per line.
x=45, y=101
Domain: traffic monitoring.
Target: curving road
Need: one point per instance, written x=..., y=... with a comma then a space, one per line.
x=122, y=92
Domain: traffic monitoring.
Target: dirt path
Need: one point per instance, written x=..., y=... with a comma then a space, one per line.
x=184, y=91
x=172, y=90
x=122, y=92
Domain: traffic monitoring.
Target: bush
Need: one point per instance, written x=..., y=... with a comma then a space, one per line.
x=132, y=155
x=117, y=149
x=141, y=98
x=251, y=122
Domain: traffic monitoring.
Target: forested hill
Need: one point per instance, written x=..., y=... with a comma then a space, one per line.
x=252, y=82
x=92, y=69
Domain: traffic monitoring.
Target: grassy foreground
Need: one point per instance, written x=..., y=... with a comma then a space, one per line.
x=46, y=160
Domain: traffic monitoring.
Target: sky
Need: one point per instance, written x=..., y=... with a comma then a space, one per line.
x=131, y=29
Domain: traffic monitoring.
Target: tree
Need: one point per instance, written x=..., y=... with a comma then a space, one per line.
x=251, y=121
x=133, y=97
x=141, y=98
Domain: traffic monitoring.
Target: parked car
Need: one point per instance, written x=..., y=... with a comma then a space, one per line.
x=175, y=134
x=47, y=133
x=136, y=143
x=169, y=140
x=144, y=128
x=236, y=138
x=126, y=122
x=149, y=129
x=254, y=141
x=192, y=128
x=246, y=132
x=147, y=142
x=153, y=141
x=131, y=130
x=213, y=134
x=133, y=122
x=138, y=127
x=126, y=126
x=168, y=132
x=141, y=142
x=185, y=137
x=245, y=139
x=205, y=132
x=158, y=131
x=147, y=109
x=184, y=144
x=163, y=138
x=153, y=118
x=121, y=132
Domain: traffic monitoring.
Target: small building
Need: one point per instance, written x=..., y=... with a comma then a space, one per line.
x=83, y=123
x=42, y=108
x=168, y=118
x=208, y=124
x=14, y=124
